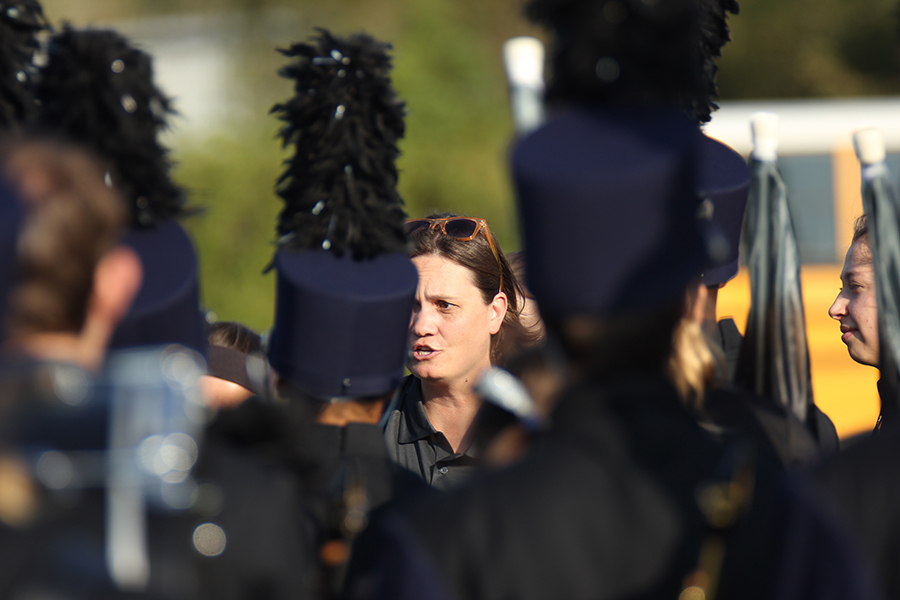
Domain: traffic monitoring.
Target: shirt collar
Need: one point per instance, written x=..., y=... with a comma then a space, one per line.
x=414, y=423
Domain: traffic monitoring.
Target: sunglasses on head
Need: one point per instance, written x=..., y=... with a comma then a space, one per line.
x=463, y=229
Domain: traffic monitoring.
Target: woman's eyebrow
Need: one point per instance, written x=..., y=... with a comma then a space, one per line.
x=856, y=272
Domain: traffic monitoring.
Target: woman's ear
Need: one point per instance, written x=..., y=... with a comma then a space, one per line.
x=117, y=279
x=498, y=308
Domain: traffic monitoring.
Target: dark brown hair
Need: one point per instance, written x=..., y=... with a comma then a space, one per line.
x=236, y=336
x=536, y=331
x=860, y=228
x=516, y=261
x=861, y=234
x=72, y=220
x=477, y=256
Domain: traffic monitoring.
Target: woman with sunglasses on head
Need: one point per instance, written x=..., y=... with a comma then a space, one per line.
x=465, y=311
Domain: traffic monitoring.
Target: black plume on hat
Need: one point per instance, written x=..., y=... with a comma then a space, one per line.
x=631, y=53
x=97, y=90
x=345, y=281
x=724, y=176
x=20, y=21
x=339, y=188
x=714, y=34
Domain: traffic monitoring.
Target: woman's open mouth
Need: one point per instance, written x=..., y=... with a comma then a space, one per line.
x=422, y=352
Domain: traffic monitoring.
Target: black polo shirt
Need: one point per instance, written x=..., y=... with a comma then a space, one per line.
x=414, y=444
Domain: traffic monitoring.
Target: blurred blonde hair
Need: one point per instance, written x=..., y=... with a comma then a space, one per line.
x=695, y=360
x=693, y=363
x=664, y=339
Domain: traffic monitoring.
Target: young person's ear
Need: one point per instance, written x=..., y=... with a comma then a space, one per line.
x=117, y=279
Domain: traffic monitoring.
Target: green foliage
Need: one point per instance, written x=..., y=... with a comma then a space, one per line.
x=458, y=124
x=811, y=48
x=232, y=177
x=453, y=155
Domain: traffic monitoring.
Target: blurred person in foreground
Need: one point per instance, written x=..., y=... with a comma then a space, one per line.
x=722, y=182
x=465, y=313
x=97, y=89
x=74, y=281
x=624, y=496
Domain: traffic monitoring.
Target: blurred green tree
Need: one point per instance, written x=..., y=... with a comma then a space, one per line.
x=811, y=48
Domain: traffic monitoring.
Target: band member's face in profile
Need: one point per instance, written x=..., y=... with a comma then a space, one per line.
x=855, y=306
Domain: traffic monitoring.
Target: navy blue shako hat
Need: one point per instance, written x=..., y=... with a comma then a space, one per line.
x=341, y=324
x=608, y=208
x=345, y=284
x=96, y=89
x=724, y=179
x=166, y=308
x=609, y=190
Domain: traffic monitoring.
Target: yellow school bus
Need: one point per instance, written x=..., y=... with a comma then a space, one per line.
x=822, y=176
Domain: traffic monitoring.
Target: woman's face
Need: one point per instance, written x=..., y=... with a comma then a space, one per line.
x=855, y=306
x=451, y=326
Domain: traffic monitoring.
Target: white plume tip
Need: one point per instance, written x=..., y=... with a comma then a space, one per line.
x=869, y=146
x=764, y=128
x=524, y=60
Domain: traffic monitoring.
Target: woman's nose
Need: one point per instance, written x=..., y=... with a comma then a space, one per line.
x=422, y=322
x=838, y=308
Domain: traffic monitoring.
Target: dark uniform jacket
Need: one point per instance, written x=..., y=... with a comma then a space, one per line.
x=605, y=506
x=730, y=408
x=288, y=488
x=260, y=504
x=862, y=484
x=729, y=412
x=53, y=526
x=269, y=482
